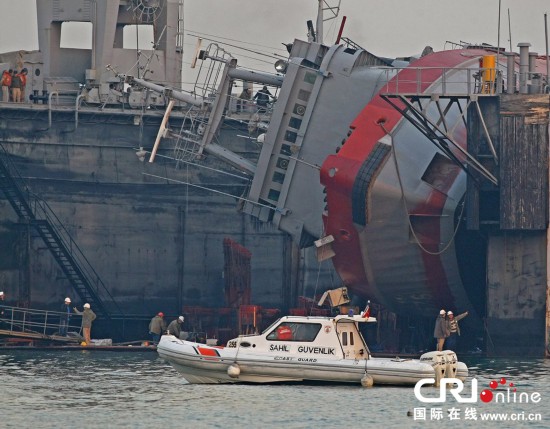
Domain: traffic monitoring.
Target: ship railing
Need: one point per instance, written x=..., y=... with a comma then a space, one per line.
x=442, y=81
x=455, y=81
x=71, y=95
x=210, y=72
x=188, y=140
x=32, y=323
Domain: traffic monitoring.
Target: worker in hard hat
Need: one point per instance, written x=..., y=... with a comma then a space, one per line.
x=157, y=326
x=175, y=326
x=88, y=316
x=65, y=317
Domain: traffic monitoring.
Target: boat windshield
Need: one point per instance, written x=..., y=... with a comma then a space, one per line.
x=295, y=331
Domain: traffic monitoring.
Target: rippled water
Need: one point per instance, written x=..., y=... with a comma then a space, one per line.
x=94, y=389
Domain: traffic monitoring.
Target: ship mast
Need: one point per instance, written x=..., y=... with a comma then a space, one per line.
x=333, y=13
x=320, y=22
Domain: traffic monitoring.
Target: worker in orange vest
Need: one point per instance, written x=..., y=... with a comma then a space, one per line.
x=6, y=83
x=23, y=77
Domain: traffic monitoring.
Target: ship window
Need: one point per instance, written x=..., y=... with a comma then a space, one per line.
x=291, y=136
x=278, y=177
x=285, y=150
x=294, y=123
x=273, y=195
x=304, y=95
x=282, y=163
x=344, y=338
x=295, y=331
x=76, y=35
x=310, y=77
x=351, y=342
x=299, y=109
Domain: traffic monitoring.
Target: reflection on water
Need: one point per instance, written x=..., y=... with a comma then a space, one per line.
x=53, y=389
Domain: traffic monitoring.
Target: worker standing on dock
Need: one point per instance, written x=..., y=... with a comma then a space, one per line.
x=23, y=78
x=157, y=326
x=453, y=328
x=6, y=83
x=88, y=316
x=174, y=328
x=16, y=87
x=65, y=317
x=440, y=331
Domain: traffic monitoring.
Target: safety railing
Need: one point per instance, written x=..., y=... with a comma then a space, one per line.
x=18, y=320
x=441, y=80
x=451, y=81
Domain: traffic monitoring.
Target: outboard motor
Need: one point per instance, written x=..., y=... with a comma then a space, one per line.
x=450, y=363
x=439, y=363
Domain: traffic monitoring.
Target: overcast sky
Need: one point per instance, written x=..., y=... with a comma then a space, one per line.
x=388, y=28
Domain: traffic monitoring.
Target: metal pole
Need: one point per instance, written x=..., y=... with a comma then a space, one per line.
x=161, y=129
x=511, y=72
x=342, y=29
x=523, y=66
x=320, y=23
x=498, y=38
x=547, y=56
x=509, y=31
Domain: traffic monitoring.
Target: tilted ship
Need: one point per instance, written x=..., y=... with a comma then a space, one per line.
x=402, y=172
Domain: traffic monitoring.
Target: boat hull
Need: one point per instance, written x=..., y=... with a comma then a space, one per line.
x=201, y=364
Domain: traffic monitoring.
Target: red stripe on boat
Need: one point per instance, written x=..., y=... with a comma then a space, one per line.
x=207, y=351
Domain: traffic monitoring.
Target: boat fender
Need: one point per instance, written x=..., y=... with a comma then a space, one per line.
x=367, y=380
x=234, y=370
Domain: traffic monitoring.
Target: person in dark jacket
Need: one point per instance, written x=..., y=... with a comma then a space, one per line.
x=174, y=328
x=65, y=318
x=88, y=316
x=440, y=331
x=157, y=326
x=15, y=87
x=262, y=97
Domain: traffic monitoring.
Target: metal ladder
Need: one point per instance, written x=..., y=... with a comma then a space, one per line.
x=36, y=212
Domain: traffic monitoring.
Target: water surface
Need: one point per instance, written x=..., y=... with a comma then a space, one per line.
x=96, y=389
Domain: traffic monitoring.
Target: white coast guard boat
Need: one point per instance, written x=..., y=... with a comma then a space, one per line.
x=299, y=348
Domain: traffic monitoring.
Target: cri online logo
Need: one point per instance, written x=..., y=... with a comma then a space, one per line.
x=509, y=395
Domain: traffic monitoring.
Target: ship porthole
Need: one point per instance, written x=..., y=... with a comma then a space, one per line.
x=37, y=72
x=332, y=172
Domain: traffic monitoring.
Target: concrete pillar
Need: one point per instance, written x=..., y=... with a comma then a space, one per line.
x=523, y=66
x=510, y=72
